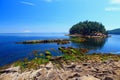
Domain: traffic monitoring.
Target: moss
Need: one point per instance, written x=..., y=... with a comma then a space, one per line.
x=65, y=51
x=39, y=58
x=48, y=57
x=77, y=39
x=47, y=53
x=74, y=54
x=31, y=64
x=69, y=54
x=103, y=57
x=60, y=48
x=72, y=50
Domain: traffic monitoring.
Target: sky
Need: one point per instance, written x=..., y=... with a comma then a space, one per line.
x=39, y=16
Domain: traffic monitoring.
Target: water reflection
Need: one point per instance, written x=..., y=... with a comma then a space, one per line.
x=91, y=43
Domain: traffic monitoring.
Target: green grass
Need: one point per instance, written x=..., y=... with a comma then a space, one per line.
x=69, y=55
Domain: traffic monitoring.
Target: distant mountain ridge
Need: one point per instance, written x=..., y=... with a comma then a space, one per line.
x=115, y=31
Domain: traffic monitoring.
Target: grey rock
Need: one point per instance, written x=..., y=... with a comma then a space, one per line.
x=88, y=77
x=108, y=78
x=49, y=65
x=86, y=64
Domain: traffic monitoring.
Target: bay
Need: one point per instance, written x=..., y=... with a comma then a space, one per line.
x=11, y=52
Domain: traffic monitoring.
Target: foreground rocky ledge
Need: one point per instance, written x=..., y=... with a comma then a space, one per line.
x=107, y=70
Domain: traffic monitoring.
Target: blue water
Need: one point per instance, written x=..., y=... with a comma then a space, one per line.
x=11, y=52
x=111, y=45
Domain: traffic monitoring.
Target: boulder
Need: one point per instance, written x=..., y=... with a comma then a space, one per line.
x=9, y=76
x=11, y=70
x=88, y=77
x=108, y=78
x=49, y=65
x=117, y=64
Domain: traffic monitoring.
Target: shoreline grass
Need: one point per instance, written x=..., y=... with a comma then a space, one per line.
x=69, y=55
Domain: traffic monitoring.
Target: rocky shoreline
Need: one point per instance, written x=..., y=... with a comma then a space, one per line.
x=93, y=35
x=107, y=70
x=73, y=65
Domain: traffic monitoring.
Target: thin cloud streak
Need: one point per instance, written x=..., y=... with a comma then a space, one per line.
x=112, y=9
x=49, y=1
x=27, y=3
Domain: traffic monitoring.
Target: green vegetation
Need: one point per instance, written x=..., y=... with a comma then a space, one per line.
x=115, y=31
x=35, y=62
x=88, y=28
x=74, y=54
x=77, y=39
x=31, y=64
x=70, y=54
x=103, y=57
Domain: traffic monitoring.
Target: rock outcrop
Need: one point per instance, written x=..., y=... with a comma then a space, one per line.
x=108, y=70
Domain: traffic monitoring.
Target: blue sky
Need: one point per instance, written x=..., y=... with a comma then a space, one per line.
x=17, y=16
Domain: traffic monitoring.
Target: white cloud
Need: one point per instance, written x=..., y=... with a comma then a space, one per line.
x=115, y=1
x=26, y=31
x=27, y=3
x=112, y=9
x=114, y=6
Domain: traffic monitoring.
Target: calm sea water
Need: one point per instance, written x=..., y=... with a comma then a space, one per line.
x=11, y=52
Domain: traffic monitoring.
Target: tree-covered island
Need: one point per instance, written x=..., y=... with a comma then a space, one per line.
x=88, y=29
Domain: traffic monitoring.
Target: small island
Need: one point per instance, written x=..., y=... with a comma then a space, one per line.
x=88, y=29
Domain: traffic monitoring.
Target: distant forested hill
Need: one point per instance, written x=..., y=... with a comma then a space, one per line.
x=115, y=31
